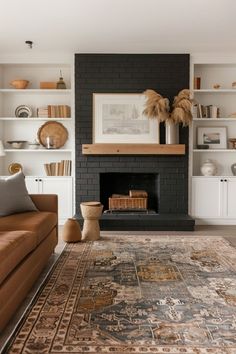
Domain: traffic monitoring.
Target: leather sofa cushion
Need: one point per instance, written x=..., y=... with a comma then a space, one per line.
x=39, y=222
x=14, y=247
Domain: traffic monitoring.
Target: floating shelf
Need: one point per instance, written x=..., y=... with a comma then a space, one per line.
x=215, y=91
x=133, y=149
x=38, y=150
x=214, y=150
x=214, y=119
x=13, y=119
x=42, y=91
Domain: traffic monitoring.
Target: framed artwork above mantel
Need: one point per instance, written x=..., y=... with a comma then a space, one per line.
x=118, y=118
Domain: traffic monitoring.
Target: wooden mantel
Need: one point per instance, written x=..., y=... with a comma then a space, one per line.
x=133, y=149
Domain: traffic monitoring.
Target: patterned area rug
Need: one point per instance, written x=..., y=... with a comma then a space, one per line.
x=136, y=294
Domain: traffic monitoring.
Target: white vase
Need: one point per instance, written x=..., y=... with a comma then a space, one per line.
x=208, y=168
x=172, y=132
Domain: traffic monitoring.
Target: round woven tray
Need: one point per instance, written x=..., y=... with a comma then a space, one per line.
x=55, y=130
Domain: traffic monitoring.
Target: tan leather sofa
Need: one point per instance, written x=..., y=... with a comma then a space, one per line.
x=27, y=240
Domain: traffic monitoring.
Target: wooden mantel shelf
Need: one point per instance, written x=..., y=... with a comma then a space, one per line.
x=133, y=149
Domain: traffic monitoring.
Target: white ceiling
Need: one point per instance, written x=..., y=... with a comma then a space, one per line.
x=118, y=26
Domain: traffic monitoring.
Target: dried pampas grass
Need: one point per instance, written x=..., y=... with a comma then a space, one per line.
x=158, y=107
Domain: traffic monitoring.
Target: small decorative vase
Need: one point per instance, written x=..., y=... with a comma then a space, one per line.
x=91, y=212
x=233, y=169
x=71, y=231
x=172, y=132
x=208, y=168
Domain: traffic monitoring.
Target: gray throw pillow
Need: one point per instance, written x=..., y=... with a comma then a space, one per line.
x=14, y=197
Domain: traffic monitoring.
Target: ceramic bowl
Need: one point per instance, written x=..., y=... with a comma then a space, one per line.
x=16, y=144
x=19, y=84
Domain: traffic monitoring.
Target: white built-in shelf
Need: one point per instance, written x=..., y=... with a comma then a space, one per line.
x=38, y=150
x=38, y=91
x=215, y=150
x=214, y=119
x=215, y=176
x=33, y=119
x=215, y=91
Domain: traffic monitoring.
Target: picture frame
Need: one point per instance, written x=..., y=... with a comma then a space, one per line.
x=119, y=118
x=214, y=137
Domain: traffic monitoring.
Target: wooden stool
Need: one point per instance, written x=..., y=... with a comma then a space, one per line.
x=71, y=231
x=91, y=212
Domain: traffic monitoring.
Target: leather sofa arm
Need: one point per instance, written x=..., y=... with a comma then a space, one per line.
x=45, y=202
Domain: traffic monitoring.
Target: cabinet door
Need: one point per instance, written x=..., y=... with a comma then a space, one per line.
x=63, y=188
x=230, y=190
x=206, y=197
x=32, y=185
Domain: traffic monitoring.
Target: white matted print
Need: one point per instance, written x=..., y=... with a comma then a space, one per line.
x=119, y=118
x=214, y=137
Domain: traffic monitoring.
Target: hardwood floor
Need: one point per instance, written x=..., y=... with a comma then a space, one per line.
x=228, y=232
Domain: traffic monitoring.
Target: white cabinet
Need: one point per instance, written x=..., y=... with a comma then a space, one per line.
x=206, y=197
x=62, y=186
x=214, y=198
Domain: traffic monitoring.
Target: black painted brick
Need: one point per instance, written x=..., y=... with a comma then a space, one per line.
x=120, y=73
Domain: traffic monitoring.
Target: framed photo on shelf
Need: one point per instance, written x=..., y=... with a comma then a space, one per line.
x=119, y=118
x=214, y=137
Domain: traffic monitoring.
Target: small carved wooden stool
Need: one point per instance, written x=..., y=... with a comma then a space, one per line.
x=91, y=212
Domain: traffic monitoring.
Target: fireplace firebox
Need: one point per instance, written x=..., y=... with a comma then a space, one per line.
x=121, y=183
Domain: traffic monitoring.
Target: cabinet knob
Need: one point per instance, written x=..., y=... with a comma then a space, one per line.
x=225, y=180
x=40, y=180
x=222, y=180
x=36, y=180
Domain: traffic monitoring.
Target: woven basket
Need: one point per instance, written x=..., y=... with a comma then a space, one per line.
x=127, y=203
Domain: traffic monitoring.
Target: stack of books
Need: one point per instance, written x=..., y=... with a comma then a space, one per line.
x=209, y=111
x=62, y=168
x=54, y=111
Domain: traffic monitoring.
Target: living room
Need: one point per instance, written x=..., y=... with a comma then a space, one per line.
x=117, y=177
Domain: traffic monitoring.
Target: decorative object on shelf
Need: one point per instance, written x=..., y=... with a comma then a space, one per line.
x=14, y=168
x=34, y=145
x=208, y=168
x=17, y=144
x=2, y=151
x=202, y=146
x=46, y=85
x=50, y=142
x=233, y=169
x=91, y=212
x=57, y=133
x=232, y=143
x=234, y=85
x=172, y=132
x=158, y=108
x=71, y=231
x=119, y=118
x=23, y=111
x=61, y=84
x=215, y=137
x=232, y=115
x=197, y=83
x=19, y=84
x=216, y=86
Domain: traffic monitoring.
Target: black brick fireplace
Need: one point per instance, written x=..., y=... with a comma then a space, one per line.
x=131, y=73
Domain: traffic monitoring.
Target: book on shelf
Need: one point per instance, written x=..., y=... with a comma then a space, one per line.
x=54, y=111
x=207, y=111
x=62, y=168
